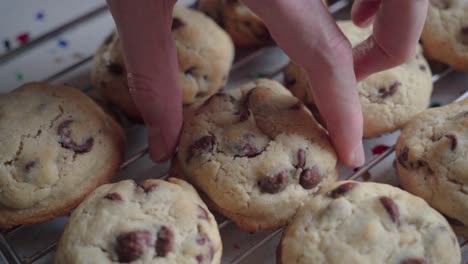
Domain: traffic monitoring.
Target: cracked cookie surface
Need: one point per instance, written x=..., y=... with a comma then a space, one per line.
x=257, y=153
x=156, y=222
x=57, y=146
x=432, y=161
x=204, y=52
x=389, y=99
x=445, y=34
x=356, y=223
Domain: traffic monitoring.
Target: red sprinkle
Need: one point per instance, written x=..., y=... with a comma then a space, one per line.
x=379, y=149
x=22, y=38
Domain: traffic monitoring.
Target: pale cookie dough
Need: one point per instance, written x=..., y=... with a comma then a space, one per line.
x=157, y=222
x=432, y=161
x=204, y=51
x=257, y=154
x=389, y=99
x=367, y=223
x=445, y=34
x=57, y=145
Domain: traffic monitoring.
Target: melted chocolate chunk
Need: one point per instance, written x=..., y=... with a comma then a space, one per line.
x=300, y=159
x=453, y=138
x=244, y=115
x=414, y=261
x=310, y=178
x=441, y=4
x=464, y=35
x=203, y=145
x=392, y=209
x=199, y=258
x=403, y=156
x=273, y=184
x=422, y=67
x=190, y=70
x=131, y=245
x=29, y=166
x=203, y=214
x=67, y=142
x=113, y=196
x=115, y=69
x=202, y=239
x=177, y=23
x=391, y=90
x=341, y=190
x=164, y=241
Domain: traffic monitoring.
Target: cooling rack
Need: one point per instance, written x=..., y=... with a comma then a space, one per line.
x=36, y=243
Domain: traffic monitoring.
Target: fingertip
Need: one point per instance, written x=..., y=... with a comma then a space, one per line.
x=162, y=144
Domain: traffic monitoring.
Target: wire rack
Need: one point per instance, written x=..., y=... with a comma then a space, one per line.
x=10, y=252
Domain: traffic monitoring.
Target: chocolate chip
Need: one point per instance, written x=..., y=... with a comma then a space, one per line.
x=454, y=140
x=300, y=159
x=273, y=184
x=414, y=261
x=202, y=239
x=131, y=245
x=199, y=258
x=164, y=241
x=108, y=39
x=29, y=165
x=392, y=208
x=310, y=178
x=403, y=156
x=244, y=115
x=203, y=214
x=113, y=196
x=441, y=4
x=177, y=23
x=190, y=71
x=391, y=90
x=115, y=69
x=67, y=142
x=464, y=35
x=204, y=145
x=341, y=190
x=422, y=67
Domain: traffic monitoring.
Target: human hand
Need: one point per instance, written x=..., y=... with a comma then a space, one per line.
x=309, y=35
x=151, y=60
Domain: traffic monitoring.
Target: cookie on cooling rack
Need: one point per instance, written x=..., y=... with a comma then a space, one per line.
x=57, y=145
x=355, y=223
x=205, y=54
x=445, y=34
x=389, y=99
x=256, y=153
x=432, y=161
x=157, y=222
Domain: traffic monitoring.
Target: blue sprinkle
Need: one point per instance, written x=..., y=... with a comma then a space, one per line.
x=62, y=43
x=40, y=15
x=6, y=44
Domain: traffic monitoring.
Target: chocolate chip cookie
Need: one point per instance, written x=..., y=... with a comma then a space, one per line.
x=57, y=145
x=389, y=99
x=445, y=34
x=257, y=154
x=205, y=54
x=156, y=222
x=355, y=223
x=432, y=161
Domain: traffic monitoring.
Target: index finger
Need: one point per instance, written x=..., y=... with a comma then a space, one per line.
x=397, y=27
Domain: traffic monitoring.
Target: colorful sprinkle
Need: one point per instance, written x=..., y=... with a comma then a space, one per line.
x=435, y=104
x=22, y=38
x=19, y=76
x=6, y=44
x=40, y=15
x=379, y=149
x=62, y=43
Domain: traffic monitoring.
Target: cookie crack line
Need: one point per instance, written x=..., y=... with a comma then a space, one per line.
x=57, y=117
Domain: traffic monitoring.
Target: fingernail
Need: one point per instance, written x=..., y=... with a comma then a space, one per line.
x=159, y=148
x=357, y=157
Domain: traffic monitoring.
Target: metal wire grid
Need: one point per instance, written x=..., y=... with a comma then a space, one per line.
x=10, y=253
